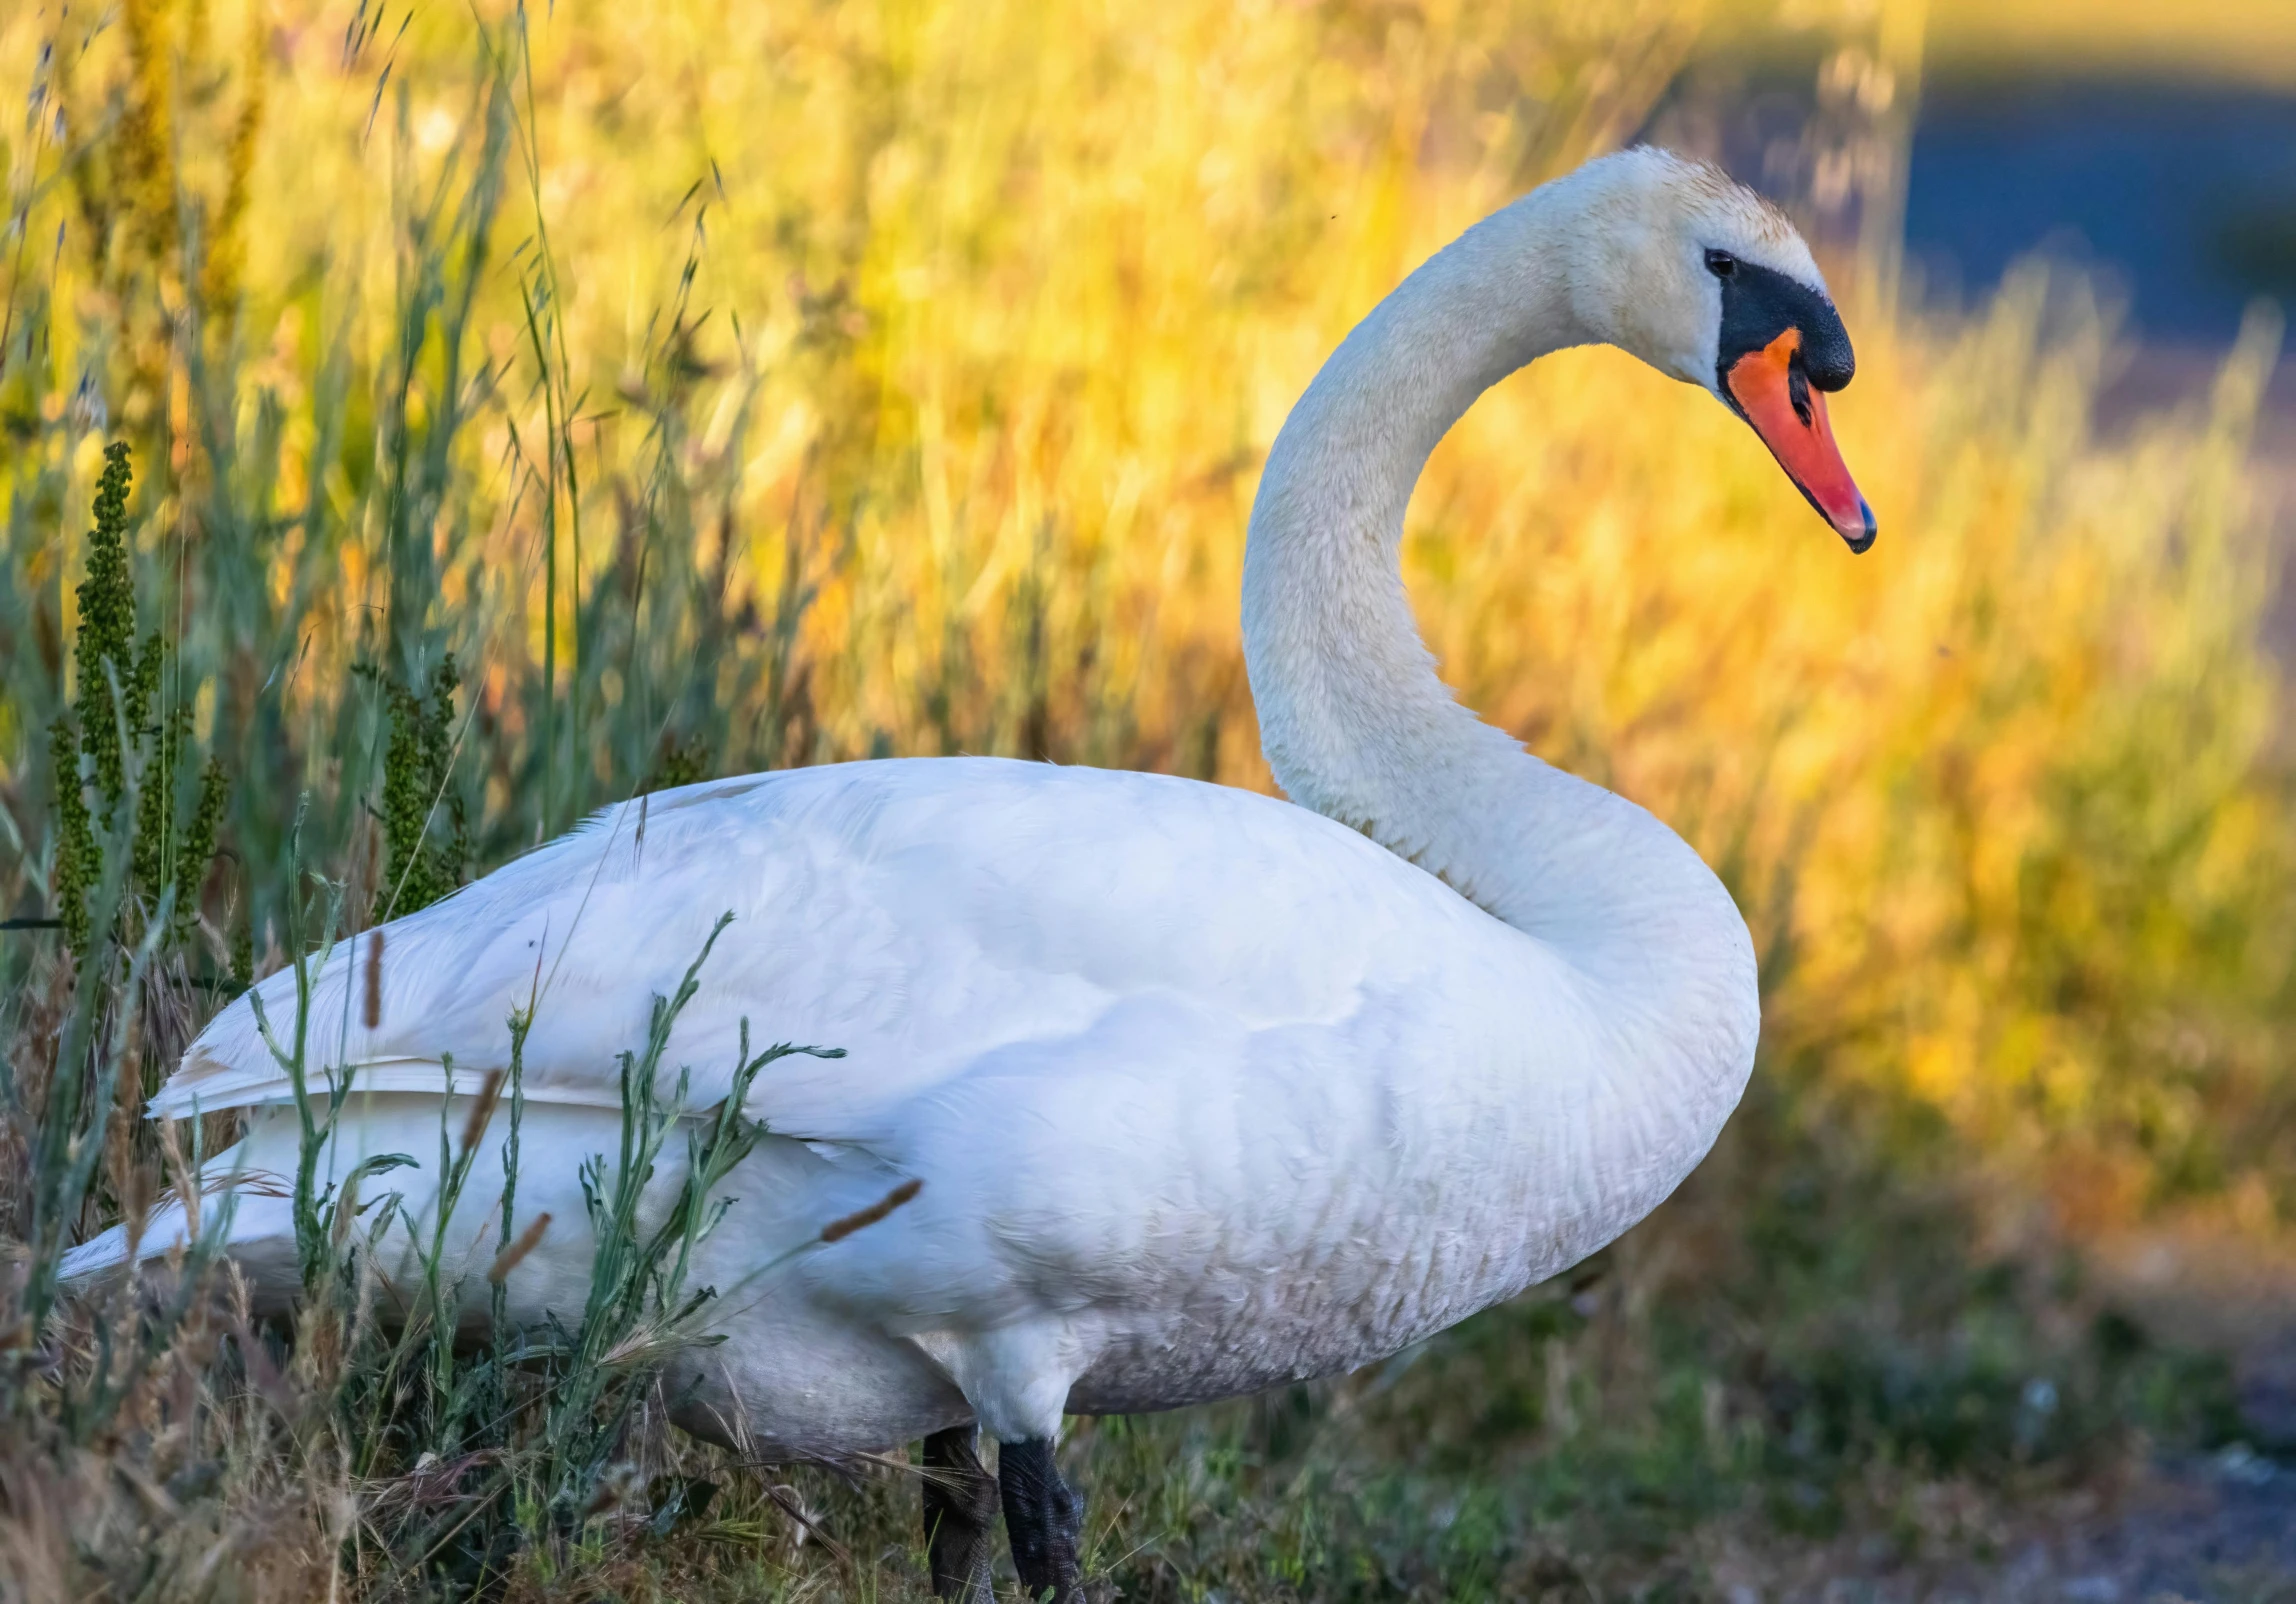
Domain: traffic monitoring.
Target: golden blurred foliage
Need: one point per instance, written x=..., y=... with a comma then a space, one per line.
x=934, y=349
x=2251, y=42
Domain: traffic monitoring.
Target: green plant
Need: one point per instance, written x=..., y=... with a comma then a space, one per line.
x=129, y=709
x=418, y=785
x=535, y=1423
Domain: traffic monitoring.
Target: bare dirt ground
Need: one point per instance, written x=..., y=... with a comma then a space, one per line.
x=2214, y=1531
x=2217, y=1528
x=2205, y=1529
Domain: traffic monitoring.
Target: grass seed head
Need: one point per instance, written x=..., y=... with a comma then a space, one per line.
x=511, y=1257
x=860, y=1219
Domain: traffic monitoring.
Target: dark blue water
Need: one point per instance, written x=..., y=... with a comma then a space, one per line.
x=2186, y=196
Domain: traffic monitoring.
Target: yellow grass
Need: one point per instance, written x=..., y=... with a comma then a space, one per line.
x=1007, y=301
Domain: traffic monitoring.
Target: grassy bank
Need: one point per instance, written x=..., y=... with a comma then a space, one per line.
x=724, y=388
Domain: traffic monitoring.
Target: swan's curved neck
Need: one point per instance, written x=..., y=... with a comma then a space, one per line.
x=1354, y=719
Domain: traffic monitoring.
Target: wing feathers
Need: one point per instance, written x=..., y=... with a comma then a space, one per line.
x=923, y=915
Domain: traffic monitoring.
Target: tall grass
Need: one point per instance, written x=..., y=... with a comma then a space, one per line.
x=905, y=395
x=170, y=1420
x=533, y=409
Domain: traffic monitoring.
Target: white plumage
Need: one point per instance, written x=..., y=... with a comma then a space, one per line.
x=1206, y=1090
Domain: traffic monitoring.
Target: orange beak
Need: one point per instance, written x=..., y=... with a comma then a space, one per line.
x=1777, y=398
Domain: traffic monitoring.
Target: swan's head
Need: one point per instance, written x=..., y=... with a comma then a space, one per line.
x=1708, y=282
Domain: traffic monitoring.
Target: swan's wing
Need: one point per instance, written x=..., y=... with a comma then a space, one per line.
x=925, y=916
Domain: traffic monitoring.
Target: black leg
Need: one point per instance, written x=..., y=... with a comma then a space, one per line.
x=960, y=1516
x=1044, y=1518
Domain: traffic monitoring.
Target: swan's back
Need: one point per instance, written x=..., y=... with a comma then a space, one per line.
x=915, y=913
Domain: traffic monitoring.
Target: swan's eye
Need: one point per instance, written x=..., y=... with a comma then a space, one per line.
x=1721, y=263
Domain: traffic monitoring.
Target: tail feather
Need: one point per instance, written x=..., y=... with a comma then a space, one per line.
x=100, y=1254
x=239, y=1196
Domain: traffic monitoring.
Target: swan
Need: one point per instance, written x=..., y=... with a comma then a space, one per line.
x=1204, y=1090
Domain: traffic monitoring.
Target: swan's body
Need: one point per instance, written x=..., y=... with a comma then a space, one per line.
x=1243, y=1097
x=1206, y=1090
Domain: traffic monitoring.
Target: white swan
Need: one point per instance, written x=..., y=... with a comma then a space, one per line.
x=1206, y=1091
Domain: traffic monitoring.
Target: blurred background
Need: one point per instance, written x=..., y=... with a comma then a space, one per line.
x=540, y=407
x=2153, y=154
